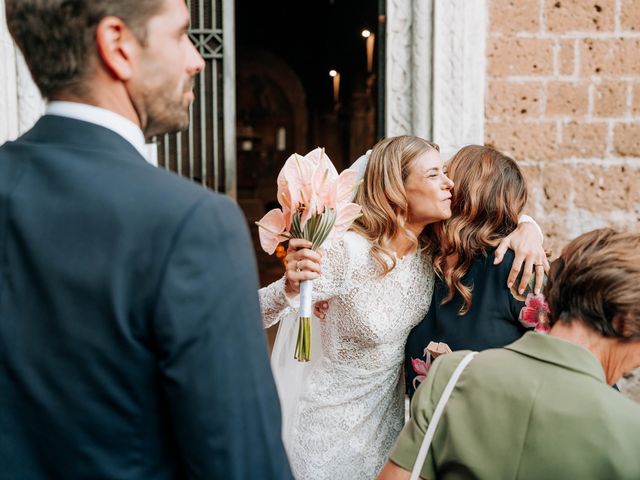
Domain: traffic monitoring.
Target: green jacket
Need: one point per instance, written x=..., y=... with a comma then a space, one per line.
x=539, y=408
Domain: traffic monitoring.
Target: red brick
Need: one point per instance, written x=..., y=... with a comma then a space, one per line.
x=512, y=16
x=563, y=16
x=508, y=99
x=626, y=139
x=566, y=57
x=584, y=140
x=610, y=56
x=630, y=15
x=520, y=56
x=567, y=98
x=610, y=99
x=523, y=140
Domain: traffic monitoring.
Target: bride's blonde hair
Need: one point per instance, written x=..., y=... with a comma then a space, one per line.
x=383, y=198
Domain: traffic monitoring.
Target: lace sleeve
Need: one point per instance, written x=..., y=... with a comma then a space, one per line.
x=274, y=303
x=333, y=281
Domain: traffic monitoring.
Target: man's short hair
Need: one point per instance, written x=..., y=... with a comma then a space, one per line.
x=596, y=280
x=58, y=37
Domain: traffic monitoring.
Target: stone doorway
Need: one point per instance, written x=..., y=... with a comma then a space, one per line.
x=287, y=101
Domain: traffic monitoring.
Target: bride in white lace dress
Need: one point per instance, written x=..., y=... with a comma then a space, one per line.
x=378, y=281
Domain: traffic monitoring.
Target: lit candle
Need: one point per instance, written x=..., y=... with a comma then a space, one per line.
x=281, y=139
x=336, y=85
x=370, y=37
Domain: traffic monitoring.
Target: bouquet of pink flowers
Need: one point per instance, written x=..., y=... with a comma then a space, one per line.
x=316, y=204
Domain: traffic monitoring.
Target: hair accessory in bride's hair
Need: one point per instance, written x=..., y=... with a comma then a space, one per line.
x=360, y=166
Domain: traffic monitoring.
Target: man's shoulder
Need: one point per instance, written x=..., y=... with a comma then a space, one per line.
x=120, y=181
x=177, y=196
x=168, y=185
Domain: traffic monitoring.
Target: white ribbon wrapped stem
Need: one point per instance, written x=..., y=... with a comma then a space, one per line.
x=306, y=287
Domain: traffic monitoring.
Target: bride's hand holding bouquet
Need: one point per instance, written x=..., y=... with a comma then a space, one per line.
x=315, y=205
x=302, y=263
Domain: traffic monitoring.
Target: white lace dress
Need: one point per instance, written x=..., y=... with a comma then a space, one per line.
x=352, y=405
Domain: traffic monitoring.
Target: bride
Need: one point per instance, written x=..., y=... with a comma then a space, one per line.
x=378, y=281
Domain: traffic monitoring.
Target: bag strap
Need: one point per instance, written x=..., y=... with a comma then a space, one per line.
x=437, y=413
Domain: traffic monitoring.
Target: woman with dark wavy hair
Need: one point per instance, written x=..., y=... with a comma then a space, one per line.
x=472, y=308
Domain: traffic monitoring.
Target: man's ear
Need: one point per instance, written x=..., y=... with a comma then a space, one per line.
x=117, y=47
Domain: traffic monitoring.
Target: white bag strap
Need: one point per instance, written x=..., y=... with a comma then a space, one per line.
x=437, y=413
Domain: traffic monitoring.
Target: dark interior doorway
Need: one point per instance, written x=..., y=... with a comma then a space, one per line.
x=286, y=99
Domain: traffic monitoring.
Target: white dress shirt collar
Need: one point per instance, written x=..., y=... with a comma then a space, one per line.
x=105, y=118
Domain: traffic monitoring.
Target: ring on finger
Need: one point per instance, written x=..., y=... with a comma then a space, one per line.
x=297, y=265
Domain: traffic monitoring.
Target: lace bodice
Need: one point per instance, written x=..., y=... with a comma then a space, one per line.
x=352, y=405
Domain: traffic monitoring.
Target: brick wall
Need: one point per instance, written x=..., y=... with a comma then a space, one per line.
x=563, y=98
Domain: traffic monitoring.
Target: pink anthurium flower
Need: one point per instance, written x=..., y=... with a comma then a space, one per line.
x=294, y=182
x=284, y=199
x=284, y=194
x=272, y=230
x=318, y=157
x=325, y=188
x=300, y=178
x=345, y=217
x=325, y=178
x=313, y=206
x=347, y=182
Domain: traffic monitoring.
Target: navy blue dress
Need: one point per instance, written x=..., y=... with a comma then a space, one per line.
x=492, y=320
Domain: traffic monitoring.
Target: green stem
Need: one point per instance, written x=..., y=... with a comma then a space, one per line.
x=298, y=351
x=303, y=342
x=308, y=338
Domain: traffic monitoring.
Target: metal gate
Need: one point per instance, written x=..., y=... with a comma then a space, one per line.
x=206, y=152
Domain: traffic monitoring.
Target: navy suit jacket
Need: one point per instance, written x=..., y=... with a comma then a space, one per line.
x=131, y=344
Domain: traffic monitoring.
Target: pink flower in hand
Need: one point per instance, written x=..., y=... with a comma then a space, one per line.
x=346, y=215
x=421, y=368
x=347, y=212
x=284, y=199
x=347, y=181
x=295, y=186
x=325, y=178
x=535, y=313
x=272, y=226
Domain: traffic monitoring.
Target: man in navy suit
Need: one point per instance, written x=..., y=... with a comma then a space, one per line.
x=131, y=344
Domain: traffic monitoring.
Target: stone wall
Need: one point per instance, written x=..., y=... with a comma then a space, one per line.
x=563, y=98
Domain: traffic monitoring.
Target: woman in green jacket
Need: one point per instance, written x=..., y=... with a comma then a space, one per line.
x=542, y=406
